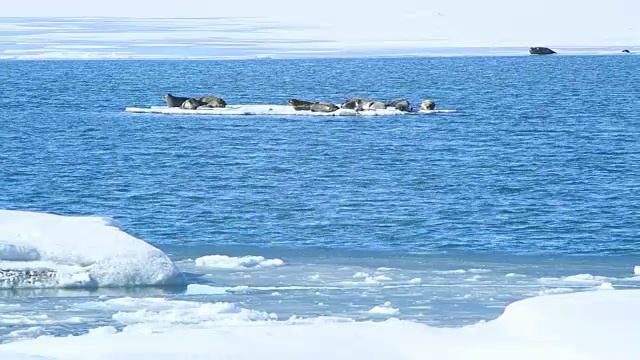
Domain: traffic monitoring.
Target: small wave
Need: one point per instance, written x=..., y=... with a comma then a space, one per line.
x=229, y=262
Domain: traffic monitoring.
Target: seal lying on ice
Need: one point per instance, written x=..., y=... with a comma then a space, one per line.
x=174, y=101
x=399, y=104
x=299, y=105
x=194, y=103
x=323, y=107
x=212, y=102
x=428, y=105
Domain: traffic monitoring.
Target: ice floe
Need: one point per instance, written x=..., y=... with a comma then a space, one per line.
x=274, y=110
x=39, y=250
x=230, y=262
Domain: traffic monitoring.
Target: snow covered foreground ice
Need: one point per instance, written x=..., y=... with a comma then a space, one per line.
x=39, y=250
x=585, y=326
x=274, y=110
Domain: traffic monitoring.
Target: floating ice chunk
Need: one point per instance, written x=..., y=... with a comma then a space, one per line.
x=229, y=262
x=194, y=313
x=197, y=289
x=384, y=309
x=41, y=250
x=360, y=275
x=554, y=291
x=636, y=270
x=479, y=271
x=314, y=277
x=446, y=272
x=415, y=281
x=578, y=279
x=515, y=275
x=381, y=278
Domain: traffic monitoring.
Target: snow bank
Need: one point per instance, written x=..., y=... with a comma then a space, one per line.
x=589, y=325
x=229, y=262
x=273, y=110
x=39, y=250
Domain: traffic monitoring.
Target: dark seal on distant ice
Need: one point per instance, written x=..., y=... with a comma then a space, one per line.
x=539, y=50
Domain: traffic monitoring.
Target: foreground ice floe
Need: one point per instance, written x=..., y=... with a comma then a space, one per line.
x=274, y=110
x=39, y=250
x=584, y=326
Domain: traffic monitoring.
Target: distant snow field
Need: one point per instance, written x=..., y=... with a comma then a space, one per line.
x=251, y=29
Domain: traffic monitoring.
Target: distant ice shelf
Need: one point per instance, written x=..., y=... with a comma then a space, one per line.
x=274, y=110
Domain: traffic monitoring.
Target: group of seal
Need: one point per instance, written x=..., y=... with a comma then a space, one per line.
x=202, y=102
x=358, y=104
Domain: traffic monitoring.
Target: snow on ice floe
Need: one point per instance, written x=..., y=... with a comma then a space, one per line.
x=594, y=325
x=39, y=250
x=274, y=110
x=230, y=262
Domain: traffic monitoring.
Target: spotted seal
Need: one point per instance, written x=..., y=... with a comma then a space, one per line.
x=212, y=102
x=299, y=105
x=191, y=104
x=399, y=104
x=428, y=105
x=174, y=101
x=323, y=107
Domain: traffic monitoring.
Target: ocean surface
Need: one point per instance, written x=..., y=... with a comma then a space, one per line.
x=531, y=187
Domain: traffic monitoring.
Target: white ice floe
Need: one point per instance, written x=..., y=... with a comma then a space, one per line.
x=448, y=272
x=636, y=270
x=554, y=291
x=415, y=281
x=39, y=250
x=579, y=279
x=593, y=325
x=384, y=309
x=274, y=110
x=229, y=262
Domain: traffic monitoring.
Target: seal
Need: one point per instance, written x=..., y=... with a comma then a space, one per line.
x=191, y=104
x=626, y=51
x=374, y=105
x=428, y=105
x=355, y=103
x=299, y=105
x=538, y=50
x=174, y=101
x=323, y=107
x=399, y=104
x=212, y=102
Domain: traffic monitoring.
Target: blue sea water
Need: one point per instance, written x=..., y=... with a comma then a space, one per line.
x=534, y=178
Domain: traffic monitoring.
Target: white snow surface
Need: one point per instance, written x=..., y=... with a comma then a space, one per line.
x=230, y=262
x=273, y=110
x=40, y=250
x=578, y=326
